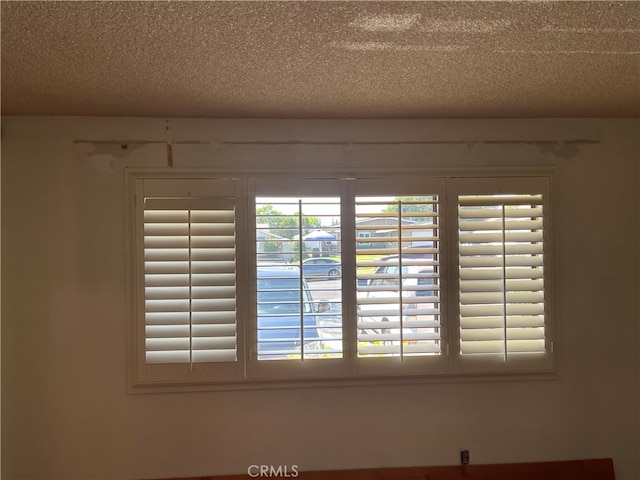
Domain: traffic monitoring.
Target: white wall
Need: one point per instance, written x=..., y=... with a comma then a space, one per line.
x=66, y=412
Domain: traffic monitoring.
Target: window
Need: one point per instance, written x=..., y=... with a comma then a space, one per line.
x=260, y=279
x=363, y=236
x=298, y=290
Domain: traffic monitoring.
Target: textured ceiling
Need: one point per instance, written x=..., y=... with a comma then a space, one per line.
x=324, y=59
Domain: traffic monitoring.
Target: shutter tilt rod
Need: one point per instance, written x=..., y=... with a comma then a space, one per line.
x=504, y=278
x=400, y=278
x=190, y=293
x=301, y=285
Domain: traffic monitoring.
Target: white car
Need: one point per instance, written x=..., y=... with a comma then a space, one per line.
x=398, y=305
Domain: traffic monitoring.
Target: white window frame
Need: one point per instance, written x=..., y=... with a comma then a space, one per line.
x=250, y=373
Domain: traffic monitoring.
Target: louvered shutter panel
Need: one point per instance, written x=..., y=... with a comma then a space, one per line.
x=297, y=329
x=397, y=274
x=189, y=281
x=502, y=275
x=186, y=326
x=289, y=232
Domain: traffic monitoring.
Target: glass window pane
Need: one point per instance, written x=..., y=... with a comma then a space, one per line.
x=299, y=262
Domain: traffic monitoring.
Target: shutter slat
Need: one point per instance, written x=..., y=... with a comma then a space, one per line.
x=498, y=310
x=215, y=356
x=499, y=261
x=498, y=285
x=169, y=267
x=497, y=213
x=166, y=318
x=214, y=318
x=223, y=291
x=498, y=273
x=498, y=237
x=413, y=324
x=500, y=225
x=168, y=241
x=200, y=267
x=178, y=356
x=489, y=347
x=152, y=217
x=213, y=304
x=211, y=279
x=173, y=305
x=384, y=288
x=221, y=330
x=160, y=230
x=224, y=241
x=166, y=293
x=499, y=298
x=499, y=200
x=213, y=254
x=213, y=343
x=166, y=331
x=498, y=334
x=509, y=249
x=153, y=254
x=407, y=262
x=512, y=321
x=166, y=280
x=419, y=349
x=425, y=232
x=168, y=343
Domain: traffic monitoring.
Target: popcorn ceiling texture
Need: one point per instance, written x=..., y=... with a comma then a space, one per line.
x=321, y=59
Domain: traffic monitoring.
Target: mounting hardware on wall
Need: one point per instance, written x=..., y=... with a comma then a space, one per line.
x=464, y=457
x=169, y=144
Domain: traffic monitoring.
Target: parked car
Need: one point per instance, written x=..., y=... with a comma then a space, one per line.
x=285, y=305
x=321, y=267
x=399, y=293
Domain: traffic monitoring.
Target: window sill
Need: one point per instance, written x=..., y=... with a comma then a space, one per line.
x=390, y=380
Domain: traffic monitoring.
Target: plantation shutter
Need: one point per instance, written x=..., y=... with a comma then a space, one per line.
x=189, y=281
x=502, y=271
x=189, y=285
x=297, y=328
x=290, y=325
x=398, y=272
